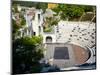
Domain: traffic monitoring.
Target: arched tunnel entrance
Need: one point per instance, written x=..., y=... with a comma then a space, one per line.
x=48, y=39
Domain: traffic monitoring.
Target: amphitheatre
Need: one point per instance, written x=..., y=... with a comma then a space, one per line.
x=68, y=44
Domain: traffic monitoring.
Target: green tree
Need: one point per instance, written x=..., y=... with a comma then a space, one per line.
x=16, y=26
x=42, y=6
x=15, y=29
x=23, y=21
x=26, y=55
x=50, y=21
x=72, y=11
x=15, y=9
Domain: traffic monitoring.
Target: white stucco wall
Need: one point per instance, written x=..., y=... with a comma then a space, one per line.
x=36, y=22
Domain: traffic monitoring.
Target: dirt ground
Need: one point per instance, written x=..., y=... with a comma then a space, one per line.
x=81, y=55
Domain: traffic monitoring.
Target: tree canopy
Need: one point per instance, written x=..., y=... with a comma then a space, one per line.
x=26, y=55
x=72, y=11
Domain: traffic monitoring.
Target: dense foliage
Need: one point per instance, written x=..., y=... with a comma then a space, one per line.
x=26, y=55
x=49, y=23
x=38, y=5
x=72, y=11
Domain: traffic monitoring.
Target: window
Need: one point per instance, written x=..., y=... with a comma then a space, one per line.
x=39, y=29
x=48, y=39
x=34, y=33
x=39, y=17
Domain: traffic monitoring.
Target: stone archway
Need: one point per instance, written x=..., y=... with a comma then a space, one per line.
x=48, y=39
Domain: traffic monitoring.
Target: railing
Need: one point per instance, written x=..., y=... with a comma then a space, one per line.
x=92, y=57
